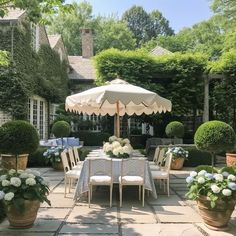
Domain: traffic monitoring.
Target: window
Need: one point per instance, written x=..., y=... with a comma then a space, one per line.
x=4, y=117
x=34, y=36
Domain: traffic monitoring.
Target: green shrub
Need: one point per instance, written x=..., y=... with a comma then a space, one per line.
x=18, y=137
x=175, y=129
x=37, y=159
x=207, y=168
x=215, y=136
x=83, y=152
x=61, y=129
x=139, y=141
x=2, y=211
x=91, y=138
x=229, y=169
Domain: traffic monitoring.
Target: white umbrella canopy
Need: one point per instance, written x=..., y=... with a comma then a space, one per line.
x=117, y=97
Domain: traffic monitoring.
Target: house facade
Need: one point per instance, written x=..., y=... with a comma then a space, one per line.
x=13, y=27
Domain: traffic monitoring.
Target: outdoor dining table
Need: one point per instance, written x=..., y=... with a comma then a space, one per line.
x=82, y=185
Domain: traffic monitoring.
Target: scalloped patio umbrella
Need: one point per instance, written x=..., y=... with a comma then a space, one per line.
x=117, y=97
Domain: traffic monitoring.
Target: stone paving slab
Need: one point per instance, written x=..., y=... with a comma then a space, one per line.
x=164, y=200
x=160, y=230
x=58, y=200
x=53, y=213
x=94, y=214
x=136, y=214
x=40, y=225
x=102, y=229
x=181, y=214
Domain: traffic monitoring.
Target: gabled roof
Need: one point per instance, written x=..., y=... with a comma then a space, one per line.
x=82, y=68
x=13, y=14
x=159, y=51
x=53, y=39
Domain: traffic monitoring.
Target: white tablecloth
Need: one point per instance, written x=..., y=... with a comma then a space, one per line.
x=82, y=184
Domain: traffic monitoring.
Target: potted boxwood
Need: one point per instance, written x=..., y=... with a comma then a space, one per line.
x=21, y=193
x=215, y=193
x=60, y=129
x=17, y=139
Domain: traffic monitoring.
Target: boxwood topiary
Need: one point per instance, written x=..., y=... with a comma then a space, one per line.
x=61, y=129
x=175, y=129
x=214, y=136
x=18, y=137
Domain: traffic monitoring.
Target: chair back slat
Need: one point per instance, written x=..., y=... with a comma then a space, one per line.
x=168, y=162
x=71, y=157
x=76, y=155
x=100, y=166
x=65, y=161
x=133, y=167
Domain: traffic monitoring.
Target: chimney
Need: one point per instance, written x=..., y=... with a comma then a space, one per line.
x=87, y=42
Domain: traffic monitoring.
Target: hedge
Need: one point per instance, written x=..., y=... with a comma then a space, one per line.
x=91, y=138
x=37, y=159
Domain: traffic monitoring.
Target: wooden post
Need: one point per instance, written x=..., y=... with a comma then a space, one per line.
x=118, y=120
x=206, y=98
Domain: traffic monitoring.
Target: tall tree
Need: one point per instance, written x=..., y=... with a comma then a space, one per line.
x=146, y=26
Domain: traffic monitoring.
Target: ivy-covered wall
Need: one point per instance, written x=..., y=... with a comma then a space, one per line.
x=30, y=72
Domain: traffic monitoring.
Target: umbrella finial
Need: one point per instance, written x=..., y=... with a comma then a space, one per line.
x=118, y=81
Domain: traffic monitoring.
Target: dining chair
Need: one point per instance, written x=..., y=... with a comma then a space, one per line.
x=133, y=174
x=70, y=175
x=76, y=156
x=164, y=173
x=100, y=173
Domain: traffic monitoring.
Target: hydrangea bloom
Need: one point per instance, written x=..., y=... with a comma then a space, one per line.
x=2, y=194
x=5, y=183
x=215, y=188
x=30, y=181
x=201, y=180
x=232, y=177
x=9, y=196
x=219, y=177
x=15, y=181
x=227, y=192
x=193, y=173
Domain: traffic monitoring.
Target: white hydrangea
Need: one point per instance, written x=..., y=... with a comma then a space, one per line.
x=231, y=177
x=3, y=177
x=23, y=175
x=31, y=176
x=219, y=177
x=5, y=183
x=202, y=172
x=108, y=148
x=12, y=171
x=193, y=173
x=112, y=138
x=215, y=188
x=232, y=185
x=119, y=140
x=9, y=196
x=189, y=179
x=127, y=149
x=116, y=151
x=20, y=171
x=126, y=141
x=225, y=174
x=227, y=192
x=30, y=181
x=201, y=180
x=2, y=194
x=15, y=181
x=115, y=144
x=120, y=150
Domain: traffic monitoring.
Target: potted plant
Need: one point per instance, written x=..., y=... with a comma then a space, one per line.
x=118, y=147
x=178, y=157
x=17, y=139
x=231, y=157
x=21, y=193
x=175, y=129
x=214, y=192
x=53, y=156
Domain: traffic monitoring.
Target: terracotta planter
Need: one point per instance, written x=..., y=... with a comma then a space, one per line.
x=9, y=161
x=218, y=217
x=57, y=166
x=177, y=164
x=25, y=219
x=230, y=159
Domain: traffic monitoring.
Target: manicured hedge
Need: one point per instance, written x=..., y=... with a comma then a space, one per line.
x=91, y=138
x=37, y=159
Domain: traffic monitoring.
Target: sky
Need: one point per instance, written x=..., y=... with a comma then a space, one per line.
x=180, y=13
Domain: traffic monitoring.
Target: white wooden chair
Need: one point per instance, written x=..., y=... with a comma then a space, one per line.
x=76, y=155
x=100, y=173
x=73, y=163
x=132, y=173
x=70, y=175
x=164, y=173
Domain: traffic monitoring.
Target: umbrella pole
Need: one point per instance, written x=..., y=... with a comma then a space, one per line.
x=118, y=119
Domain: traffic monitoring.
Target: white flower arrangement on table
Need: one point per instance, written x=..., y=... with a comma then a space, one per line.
x=177, y=153
x=215, y=186
x=17, y=186
x=118, y=147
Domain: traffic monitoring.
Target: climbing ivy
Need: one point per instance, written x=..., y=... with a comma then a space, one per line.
x=29, y=72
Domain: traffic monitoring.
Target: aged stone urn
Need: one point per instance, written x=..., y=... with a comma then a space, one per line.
x=231, y=159
x=177, y=164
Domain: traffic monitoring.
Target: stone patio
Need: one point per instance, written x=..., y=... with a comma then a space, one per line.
x=164, y=216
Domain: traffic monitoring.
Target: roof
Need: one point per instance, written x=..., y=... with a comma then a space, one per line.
x=53, y=39
x=13, y=14
x=83, y=68
x=159, y=51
